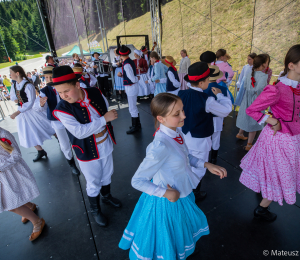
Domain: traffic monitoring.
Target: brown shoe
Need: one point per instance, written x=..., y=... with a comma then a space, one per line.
x=248, y=147
x=33, y=208
x=242, y=137
x=37, y=229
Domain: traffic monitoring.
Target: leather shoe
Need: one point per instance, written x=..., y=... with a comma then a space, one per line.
x=110, y=200
x=200, y=195
x=40, y=155
x=264, y=213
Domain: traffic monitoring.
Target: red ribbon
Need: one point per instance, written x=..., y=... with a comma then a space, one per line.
x=267, y=69
x=144, y=50
x=77, y=72
x=5, y=140
x=178, y=139
x=54, y=91
x=253, y=81
x=124, y=53
x=64, y=78
x=171, y=64
x=295, y=91
x=195, y=78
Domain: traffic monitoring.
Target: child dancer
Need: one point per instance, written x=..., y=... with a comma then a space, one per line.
x=130, y=81
x=84, y=113
x=183, y=68
x=159, y=77
x=173, y=82
x=218, y=121
x=200, y=109
x=267, y=70
x=254, y=84
x=87, y=80
x=119, y=87
x=33, y=127
x=150, y=74
x=272, y=166
x=166, y=222
x=50, y=98
x=146, y=54
x=18, y=186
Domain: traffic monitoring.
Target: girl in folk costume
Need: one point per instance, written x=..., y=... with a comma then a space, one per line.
x=150, y=74
x=141, y=71
x=86, y=80
x=33, y=127
x=267, y=70
x=159, y=77
x=183, y=69
x=173, y=83
x=255, y=82
x=272, y=166
x=166, y=222
x=119, y=87
x=240, y=83
x=18, y=186
x=145, y=54
x=130, y=81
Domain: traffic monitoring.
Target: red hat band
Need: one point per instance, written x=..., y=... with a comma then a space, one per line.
x=195, y=78
x=64, y=78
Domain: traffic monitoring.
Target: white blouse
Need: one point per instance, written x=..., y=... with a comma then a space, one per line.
x=167, y=162
x=184, y=65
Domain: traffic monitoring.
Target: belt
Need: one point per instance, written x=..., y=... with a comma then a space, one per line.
x=101, y=133
x=100, y=142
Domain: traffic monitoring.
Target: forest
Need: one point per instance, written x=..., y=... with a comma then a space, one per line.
x=20, y=23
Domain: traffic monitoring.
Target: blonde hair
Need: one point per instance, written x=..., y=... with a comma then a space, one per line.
x=6, y=146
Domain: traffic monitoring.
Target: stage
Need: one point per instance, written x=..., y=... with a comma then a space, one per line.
x=71, y=233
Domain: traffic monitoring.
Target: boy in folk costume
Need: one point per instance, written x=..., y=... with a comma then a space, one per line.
x=130, y=81
x=173, y=82
x=84, y=113
x=50, y=98
x=146, y=54
x=86, y=80
x=199, y=109
x=50, y=61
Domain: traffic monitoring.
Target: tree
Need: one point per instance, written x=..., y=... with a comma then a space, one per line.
x=11, y=44
x=18, y=36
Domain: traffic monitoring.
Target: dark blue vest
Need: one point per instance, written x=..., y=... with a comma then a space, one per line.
x=126, y=80
x=170, y=86
x=85, y=82
x=51, y=101
x=209, y=92
x=198, y=122
x=86, y=149
x=21, y=94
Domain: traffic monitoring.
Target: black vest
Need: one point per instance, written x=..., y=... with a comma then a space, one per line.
x=51, y=101
x=84, y=81
x=170, y=86
x=198, y=122
x=126, y=80
x=86, y=149
x=20, y=94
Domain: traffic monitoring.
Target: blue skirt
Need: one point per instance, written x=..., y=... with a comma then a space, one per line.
x=160, y=88
x=160, y=229
x=118, y=80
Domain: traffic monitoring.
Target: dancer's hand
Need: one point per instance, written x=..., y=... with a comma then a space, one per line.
x=157, y=81
x=119, y=74
x=95, y=66
x=276, y=125
x=16, y=101
x=13, y=116
x=146, y=81
x=216, y=91
x=111, y=115
x=215, y=169
x=172, y=194
x=43, y=101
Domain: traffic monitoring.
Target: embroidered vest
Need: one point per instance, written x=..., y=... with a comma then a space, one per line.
x=126, y=80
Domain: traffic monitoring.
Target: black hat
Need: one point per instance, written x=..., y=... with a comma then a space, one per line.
x=47, y=57
x=198, y=71
x=63, y=74
x=123, y=50
x=144, y=48
x=96, y=53
x=208, y=57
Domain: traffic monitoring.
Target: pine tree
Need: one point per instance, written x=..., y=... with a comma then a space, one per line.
x=19, y=36
x=11, y=44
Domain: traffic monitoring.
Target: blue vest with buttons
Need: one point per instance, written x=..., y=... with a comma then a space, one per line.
x=86, y=149
x=209, y=92
x=51, y=101
x=126, y=80
x=198, y=122
x=170, y=86
x=85, y=82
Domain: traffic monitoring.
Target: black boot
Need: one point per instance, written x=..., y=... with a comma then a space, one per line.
x=199, y=195
x=123, y=94
x=107, y=198
x=135, y=127
x=118, y=96
x=213, y=156
x=151, y=96
x=74, y=169
x=264, y=213
x=40, y=154
x=138, y=124
x=100, y=219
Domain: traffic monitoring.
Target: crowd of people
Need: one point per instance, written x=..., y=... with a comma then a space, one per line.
x=188, y=107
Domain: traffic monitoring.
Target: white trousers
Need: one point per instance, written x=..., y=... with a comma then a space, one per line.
x=200, y=155
x=216, y=137
x=133, y=110
x=97, y=174
x=64, y=142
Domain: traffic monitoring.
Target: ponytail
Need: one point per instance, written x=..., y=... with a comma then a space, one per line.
x=258, y=61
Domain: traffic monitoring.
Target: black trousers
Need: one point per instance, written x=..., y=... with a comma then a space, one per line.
x=104, y=85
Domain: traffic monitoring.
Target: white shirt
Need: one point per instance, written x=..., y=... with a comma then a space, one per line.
x=167, y=162
x=30, y=92
x=132, y=90
x=221, y=108
x=82, y=131
x=93, y=80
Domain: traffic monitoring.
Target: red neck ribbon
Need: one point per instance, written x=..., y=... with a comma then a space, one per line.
x=5, y=140
x=170, y=63
x=156, y=61
x=178, y=139
x=253, y=81
x=195, y=78
x=267, y=69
